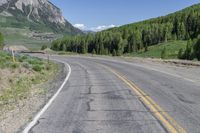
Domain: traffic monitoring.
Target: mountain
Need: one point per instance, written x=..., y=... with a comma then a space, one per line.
x=38, y=15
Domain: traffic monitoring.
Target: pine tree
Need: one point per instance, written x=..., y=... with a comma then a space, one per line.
x=181, y=31
x=188, y=52
x=44, y=47
x=197, y=48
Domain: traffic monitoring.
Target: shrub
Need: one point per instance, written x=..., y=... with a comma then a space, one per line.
x=22, y=58
x=44, y=47
x=38, y=68
x=164, y=53
x=188, y=54
x=14, y=65
x=180, y=54
x=48, y=67
x=26, y=65
x=114, y=53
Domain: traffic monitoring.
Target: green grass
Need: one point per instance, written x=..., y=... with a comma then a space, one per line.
x=17, y=36
x=65, y=53
x=6, y=61
x=21, y=86
x=172, y=48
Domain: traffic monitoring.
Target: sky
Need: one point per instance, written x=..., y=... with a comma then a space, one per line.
x=98, y=15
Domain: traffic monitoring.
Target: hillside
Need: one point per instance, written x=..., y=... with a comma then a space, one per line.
x=38, y=15
x=183, y=24
x=154, y=51
x=132, y=38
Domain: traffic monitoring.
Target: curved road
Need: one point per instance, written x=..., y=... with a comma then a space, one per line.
x=101, y=97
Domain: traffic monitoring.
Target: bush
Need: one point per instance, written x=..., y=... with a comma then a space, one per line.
x=180, y=54
x=14, y=65
x=44, y=47
x=48, y=67
x=38, y=68
x=188, y=54
x=164, y=53
x=114, y=53
x=22, y=58
x=26, y=65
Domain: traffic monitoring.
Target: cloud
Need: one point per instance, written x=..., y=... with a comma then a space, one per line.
x=96, y=29
x=80, y=26
x=103, y=27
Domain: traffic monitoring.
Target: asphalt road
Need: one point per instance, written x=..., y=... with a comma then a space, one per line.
x=97, y=100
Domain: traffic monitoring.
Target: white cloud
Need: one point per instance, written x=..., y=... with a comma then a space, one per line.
x=96, y=29
x=103, y=27
x=80, y=26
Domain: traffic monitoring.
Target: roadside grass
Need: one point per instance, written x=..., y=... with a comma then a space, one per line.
x=20, y=86
x=172, y=49
x=65, y=53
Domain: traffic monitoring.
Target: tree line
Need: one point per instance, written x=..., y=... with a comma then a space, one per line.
x=182, y=25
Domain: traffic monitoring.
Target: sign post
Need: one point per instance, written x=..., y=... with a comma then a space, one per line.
x=13, y=55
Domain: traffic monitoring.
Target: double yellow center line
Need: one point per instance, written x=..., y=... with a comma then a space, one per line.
x=166, y=120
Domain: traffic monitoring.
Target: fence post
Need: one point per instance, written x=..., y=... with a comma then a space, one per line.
x=13, y=55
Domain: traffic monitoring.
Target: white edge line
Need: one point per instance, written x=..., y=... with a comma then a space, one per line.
x=37, y=117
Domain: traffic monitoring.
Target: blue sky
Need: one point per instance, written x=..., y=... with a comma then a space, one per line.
x=100, y=14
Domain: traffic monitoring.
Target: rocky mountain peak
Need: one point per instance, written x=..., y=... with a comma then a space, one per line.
x=36, y=11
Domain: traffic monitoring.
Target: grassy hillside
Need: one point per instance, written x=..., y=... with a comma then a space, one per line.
x=172, y=49
x=23, y=36
x=133, y=38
